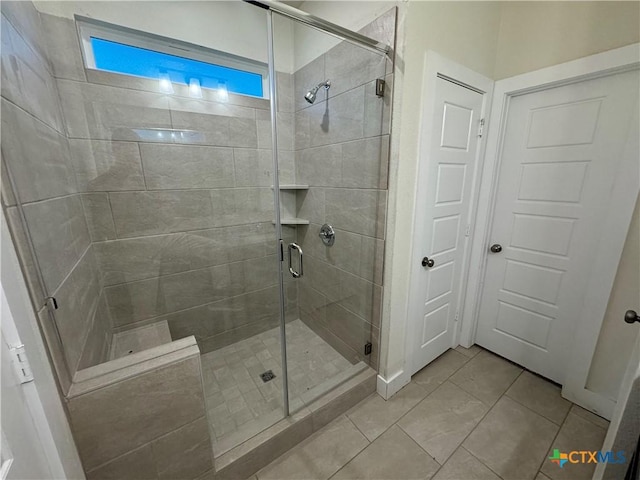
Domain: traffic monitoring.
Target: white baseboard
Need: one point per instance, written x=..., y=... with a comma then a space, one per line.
x=388, y=388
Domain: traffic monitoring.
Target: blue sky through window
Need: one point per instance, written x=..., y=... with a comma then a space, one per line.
x=130, y=60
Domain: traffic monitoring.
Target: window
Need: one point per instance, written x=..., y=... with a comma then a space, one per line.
x=117, y=49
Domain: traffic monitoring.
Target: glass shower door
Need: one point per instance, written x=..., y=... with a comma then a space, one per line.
x=332, y=156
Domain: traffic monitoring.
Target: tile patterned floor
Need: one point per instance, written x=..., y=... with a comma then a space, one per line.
x=469, y=415
x=239, y=404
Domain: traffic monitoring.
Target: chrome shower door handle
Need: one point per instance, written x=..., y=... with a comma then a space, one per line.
x=294, y=274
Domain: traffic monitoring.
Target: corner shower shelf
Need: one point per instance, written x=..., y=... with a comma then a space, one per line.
x=292, y=221
x=289, y=204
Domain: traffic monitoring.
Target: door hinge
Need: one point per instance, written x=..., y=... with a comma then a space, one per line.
x=367, y=348
x=455, y=319
x=21, y=364
x=467, y=231
x=481, y=127
x=380, y=87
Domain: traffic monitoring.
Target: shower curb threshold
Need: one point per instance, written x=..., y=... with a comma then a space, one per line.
x=257, y=452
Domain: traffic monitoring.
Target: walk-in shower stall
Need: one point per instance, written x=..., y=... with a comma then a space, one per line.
x=197, y=194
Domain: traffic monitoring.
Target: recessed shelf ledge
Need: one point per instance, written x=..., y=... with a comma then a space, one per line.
x=293, y=187
x=292, y=221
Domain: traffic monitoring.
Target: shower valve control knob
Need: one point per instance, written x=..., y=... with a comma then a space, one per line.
x=428, y=262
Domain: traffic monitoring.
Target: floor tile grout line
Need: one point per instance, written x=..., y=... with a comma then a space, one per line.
x=357, y=454
x=541, y=466
x=559, y=425
x=480, y=421
x=425, y=397
x=496, y=473
x=432, y=391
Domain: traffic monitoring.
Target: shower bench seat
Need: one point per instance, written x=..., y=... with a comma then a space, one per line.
x=139, y=339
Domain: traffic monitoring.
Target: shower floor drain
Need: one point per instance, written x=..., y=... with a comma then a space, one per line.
x=268, y=375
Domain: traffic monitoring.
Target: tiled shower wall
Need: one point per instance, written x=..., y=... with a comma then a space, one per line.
x=36, y=150
x=342, y=148
x=177, y=194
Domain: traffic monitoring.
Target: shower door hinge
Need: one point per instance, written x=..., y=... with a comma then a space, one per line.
x=21, y=364
x=481, y=127
x=380, y=84
x=367, y=348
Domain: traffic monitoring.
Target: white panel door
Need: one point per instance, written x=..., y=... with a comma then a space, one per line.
x=441, y=233
x=22, y=453
x=558, y=165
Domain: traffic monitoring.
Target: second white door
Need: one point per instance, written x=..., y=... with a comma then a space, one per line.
x=442, y=229
x=559, y=162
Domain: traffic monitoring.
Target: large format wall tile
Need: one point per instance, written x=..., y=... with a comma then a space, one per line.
x=147, y=213
x=338, y=119
x=135, y=411
x=211, y=129
x=97, y=211
x=26, y=78
x=187, y=166
x=102, y=166
x=26, y=19
x=132, y=302
x=138, y=464
x=216, y=318
x=63, y=47
x=20, y=242
x=352, y=252
x=365, y=163
x=284, y=83
x=37, y=155
x=77, y=300
x=232, y=244
x=320, y=166
x=107, y=113
x=96, y=347
x=357, y=211
x=59, y=234
x=350, y=66
x=136, y=301
x=285, y=129
x=185, y=452
x=134, y=259
x=305, y=79
x=254, y=168
x=356, y=164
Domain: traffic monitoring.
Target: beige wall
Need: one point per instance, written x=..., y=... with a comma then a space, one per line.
x=617, y=338
x=497, y=39
x=466, y=32
x=556, y=32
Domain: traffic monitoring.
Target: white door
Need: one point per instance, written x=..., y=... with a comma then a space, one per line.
x=624, y=431
x=560, y=157
x=442, y=231
x=22, y=454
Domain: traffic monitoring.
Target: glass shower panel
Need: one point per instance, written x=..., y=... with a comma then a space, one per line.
x=333, y=155
x=149, y=201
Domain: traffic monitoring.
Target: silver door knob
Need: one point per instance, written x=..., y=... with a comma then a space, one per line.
x=496, y=248
x=428, y=262
x=631, y=316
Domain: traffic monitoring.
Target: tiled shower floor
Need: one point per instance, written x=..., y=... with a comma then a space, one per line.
x=240, y=405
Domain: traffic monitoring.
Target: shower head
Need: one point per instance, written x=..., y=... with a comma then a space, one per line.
x=310, y=96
